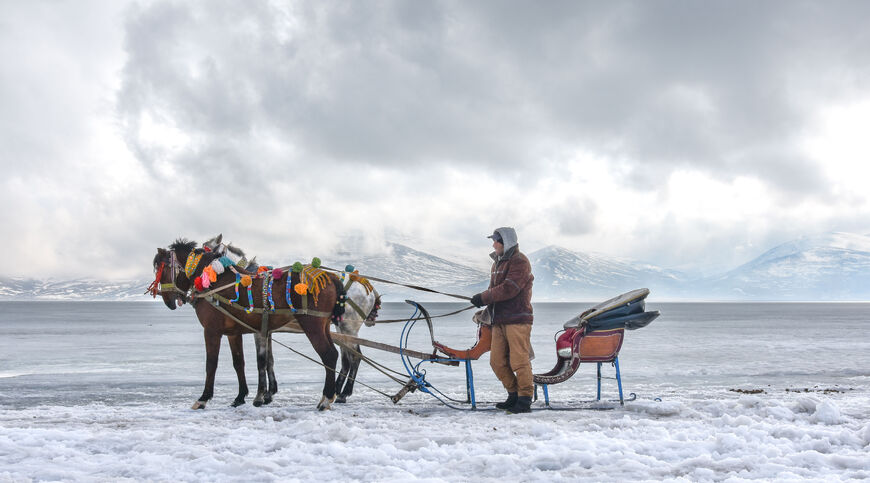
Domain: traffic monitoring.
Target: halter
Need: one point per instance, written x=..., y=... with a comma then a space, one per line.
x=159, y=288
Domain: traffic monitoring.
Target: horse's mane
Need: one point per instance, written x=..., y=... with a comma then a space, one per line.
x=182, y=245
x=235, y=250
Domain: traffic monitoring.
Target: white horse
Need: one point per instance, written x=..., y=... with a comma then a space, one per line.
x=361, y=308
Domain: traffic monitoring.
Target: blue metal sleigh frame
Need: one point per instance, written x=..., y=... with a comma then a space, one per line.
x=418, y=374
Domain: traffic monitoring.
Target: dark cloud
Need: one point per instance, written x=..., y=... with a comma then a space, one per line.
x=718, y=87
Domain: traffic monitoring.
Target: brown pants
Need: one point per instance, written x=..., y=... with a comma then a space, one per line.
x=509, y=358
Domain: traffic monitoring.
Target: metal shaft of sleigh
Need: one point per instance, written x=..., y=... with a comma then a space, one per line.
x=596, y=335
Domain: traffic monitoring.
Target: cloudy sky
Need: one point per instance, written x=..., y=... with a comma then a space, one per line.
x=693, y=135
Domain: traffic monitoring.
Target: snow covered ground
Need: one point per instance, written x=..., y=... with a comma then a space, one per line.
x=746, y=436
x=746, y=392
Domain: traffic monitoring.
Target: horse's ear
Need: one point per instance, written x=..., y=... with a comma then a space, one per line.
x=161, y=251
x=217, y=241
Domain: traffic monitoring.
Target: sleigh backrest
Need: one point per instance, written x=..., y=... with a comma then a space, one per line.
x=600, y=345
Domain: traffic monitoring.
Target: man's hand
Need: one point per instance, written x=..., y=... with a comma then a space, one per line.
x=477, y=300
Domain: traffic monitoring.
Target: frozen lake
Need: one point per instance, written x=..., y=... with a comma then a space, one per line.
x=93, y=391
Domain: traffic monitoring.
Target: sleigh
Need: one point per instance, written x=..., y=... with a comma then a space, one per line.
x=595, y=335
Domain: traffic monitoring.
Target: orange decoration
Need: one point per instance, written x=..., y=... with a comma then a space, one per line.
x=212, y=275
x=301, y=288
x=246, y=281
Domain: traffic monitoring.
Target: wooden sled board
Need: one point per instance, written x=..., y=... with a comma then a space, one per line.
x=618, y=301
x=349, y=339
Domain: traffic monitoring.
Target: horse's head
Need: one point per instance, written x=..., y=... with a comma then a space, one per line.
x=171, y=283
x=215, y=245
x=377, y=306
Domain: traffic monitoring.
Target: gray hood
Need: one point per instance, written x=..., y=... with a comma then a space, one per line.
x=509, y=240
x=508, y=237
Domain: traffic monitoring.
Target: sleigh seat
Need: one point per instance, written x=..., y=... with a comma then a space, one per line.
x=596, y=336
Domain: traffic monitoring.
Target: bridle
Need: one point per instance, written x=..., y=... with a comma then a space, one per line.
x=159, y=288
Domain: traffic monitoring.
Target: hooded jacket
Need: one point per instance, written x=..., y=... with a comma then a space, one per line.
x=509, y=296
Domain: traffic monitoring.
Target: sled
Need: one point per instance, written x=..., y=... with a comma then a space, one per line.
x=596, y=335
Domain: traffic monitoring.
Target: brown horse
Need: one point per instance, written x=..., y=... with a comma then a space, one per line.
x=175, y=284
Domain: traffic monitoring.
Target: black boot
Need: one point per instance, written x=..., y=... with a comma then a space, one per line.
x=509, y=402
x=523, y=405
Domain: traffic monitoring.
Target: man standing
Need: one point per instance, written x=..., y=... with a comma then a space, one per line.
x=508, y=301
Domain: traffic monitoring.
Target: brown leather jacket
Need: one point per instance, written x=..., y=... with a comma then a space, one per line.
x=509, y=296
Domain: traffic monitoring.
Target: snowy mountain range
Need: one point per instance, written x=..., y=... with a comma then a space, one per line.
x=834, y=266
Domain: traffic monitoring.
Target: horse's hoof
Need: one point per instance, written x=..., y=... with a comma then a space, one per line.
x=237, y=403
x=267, y=399
x=325, y=403
x=341, y=399
x=198, y=405
x=257, y=403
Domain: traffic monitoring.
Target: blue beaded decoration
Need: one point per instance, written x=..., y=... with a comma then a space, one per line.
x=236, y=286
x=250, y=307
x=288, y=291
x=267, y=293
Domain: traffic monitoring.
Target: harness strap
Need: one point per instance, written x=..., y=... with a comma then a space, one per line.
x=258, y=310
x=228, y=314
x=356, y=308
x=415, y=287
x=264, y=324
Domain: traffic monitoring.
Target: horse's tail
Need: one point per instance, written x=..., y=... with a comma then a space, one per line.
x=340, y=299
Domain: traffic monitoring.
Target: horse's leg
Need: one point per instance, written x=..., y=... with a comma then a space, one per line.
x=349, y=360
x=270, y=373
x=212, y=350
x=262, y=359
x=351, y=375
x=318, y=334
x=237, y=348
x=346, y=359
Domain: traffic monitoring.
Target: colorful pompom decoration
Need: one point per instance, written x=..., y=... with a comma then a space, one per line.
x=348, y=268
x=262, y=269
x=315, y=262
x=226, y=261
x=206, y=283
x=301, y=288
x=246, y=281
x=208, y=272
x=217, y=267
x=197, y=282
x=297, y=267
x=277, y=273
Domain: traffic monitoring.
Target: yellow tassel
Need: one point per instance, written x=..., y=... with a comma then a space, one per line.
x=316, y=279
